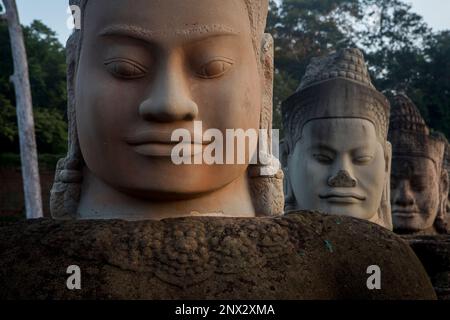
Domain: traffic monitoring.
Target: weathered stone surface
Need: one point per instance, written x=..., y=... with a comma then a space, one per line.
x=297, y=256
x=434, y=252
x=81, y=190
x=337, y=108
x=419, y=180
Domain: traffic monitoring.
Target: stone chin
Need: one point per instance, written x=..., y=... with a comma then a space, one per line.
x=412, y=222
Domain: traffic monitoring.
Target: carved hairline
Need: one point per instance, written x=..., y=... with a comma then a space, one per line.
x=299, y=104
x=436, y=165
x=431, y=143
x=257, y=11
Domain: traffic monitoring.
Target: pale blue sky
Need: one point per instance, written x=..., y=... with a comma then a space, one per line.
x=53, y=13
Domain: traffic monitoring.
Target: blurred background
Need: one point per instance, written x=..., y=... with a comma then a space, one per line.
x=406, y=43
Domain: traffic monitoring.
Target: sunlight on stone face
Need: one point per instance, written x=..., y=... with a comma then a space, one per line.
x=156, y=66
x=338, y=167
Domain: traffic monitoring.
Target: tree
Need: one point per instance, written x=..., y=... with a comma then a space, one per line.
x=392, y=37
x=304, y=29
x=431, y=91
x=401, y=50
x=405, y=55
x=47, y=71
x=28, y=152
x=47, y=67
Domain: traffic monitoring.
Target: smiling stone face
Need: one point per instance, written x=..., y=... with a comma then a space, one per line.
x=414, y=193
x=338, y=167
x=419, y=182
x=338, y=158
x=140, y=78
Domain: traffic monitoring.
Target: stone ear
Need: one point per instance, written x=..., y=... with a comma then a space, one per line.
x=284, y=153
x=290, y=203
x=443, y=190
x=266, y=190
x=66, y=189
x=266, y=73
x=388, y=156
x=384, y=211
x=440, y=223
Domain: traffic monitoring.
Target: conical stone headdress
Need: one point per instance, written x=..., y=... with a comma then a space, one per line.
x=335, y=86
x=410, y=135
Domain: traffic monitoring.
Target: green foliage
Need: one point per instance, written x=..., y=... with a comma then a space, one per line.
x=47, y=67
x=284, y=86
x=432, y=90
x=47, y=161
x=47, y=70
x=51, y=130
x=303, y=29
x=402, y=52
x=8, y=127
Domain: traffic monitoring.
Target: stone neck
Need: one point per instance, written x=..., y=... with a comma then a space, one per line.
x=101, y=201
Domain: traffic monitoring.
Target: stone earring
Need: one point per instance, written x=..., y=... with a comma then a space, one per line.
x=66, y=190
x=267, y=189
x=290, y=203
x=384, y=212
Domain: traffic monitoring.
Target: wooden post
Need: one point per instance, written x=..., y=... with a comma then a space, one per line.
x=2, y=11
x=25, y=121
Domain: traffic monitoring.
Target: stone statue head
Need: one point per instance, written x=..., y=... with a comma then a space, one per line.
x=337, y=157
x=419, y=180
x=137, y=73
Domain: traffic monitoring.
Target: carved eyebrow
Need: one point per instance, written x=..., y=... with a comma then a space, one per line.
x=363, y=148
x=139, y=33
x=322, y=146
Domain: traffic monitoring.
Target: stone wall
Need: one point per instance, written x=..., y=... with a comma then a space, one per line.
x=434, y=253
x=11, y=191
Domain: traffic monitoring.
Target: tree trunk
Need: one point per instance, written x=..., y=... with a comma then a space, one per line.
x=20, y=79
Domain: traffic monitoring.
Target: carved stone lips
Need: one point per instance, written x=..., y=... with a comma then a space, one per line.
x=404, y=213
x=158, y=136
x=342, y=197
x=157, y=143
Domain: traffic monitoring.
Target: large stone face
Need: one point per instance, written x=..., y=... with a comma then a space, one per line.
x=299, y=256
x=227, y=77
x=419, y=180
x=336, y=124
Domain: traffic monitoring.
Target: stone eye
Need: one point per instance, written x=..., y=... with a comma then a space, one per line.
x=362, y=160
x=418, y=185
x=215, y=68
x=321, y=158
x=126, y=69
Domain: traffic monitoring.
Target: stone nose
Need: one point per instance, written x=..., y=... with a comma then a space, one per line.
x=342, y=180
x=403, y=195
x=169, y=99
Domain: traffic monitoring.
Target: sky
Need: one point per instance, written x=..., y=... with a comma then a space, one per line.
x=53, y=13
